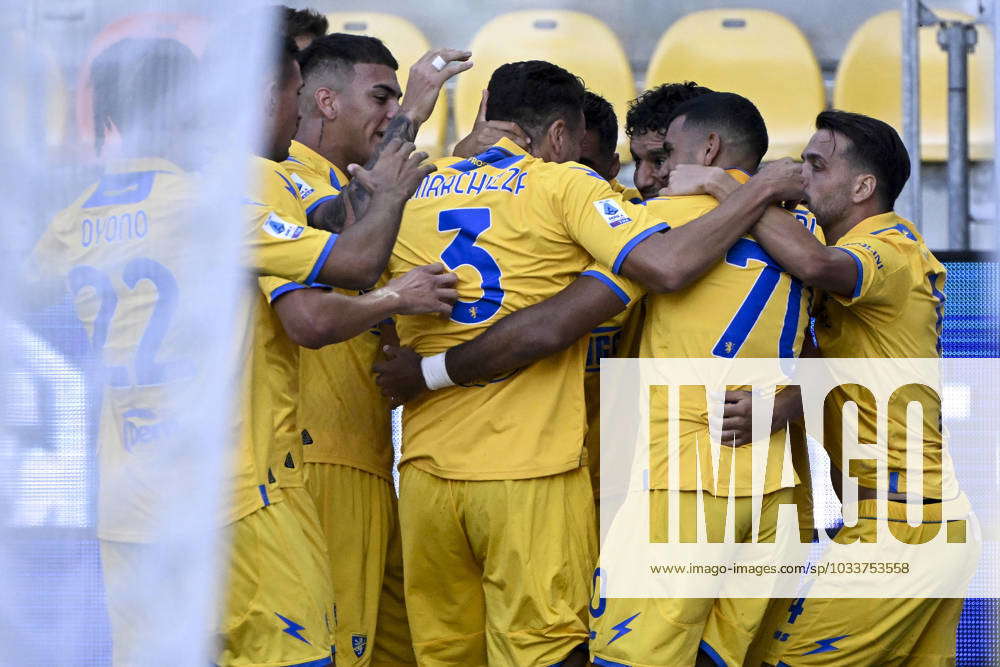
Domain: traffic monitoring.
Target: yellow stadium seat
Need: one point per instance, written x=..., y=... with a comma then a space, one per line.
x=869, y=81
x=758, y=54
x=578, y=42
x=38, y=109
x=407, y=44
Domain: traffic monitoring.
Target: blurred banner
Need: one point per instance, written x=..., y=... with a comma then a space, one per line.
x=128, y=129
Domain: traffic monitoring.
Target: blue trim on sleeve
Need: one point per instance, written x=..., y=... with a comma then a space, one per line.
x=263, y=494
x=284, y=289
x=861, y=271
x=334, y=181
x=894, y=482
x=712, y=653
x=319, y=201
x=899, y=227
x=322, y=259
x=639, y=238
x=619, y=292
x=608, y=663
x=322, y=662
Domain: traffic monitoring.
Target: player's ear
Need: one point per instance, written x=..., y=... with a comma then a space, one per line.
x=615, y=167
x=272, y=97
x=556, y=137
x=326, y=102
x=713, y=146
x=864, y=187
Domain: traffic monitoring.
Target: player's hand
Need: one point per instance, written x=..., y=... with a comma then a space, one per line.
x=782, y=179
x=424, y=83
x=737, y=419
x=399, y=375
x=692, y=179
x=396, y=173
x=423, y=290
x=485, y=133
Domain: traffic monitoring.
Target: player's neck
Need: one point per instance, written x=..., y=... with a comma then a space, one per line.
x=855, y=215
x=317, y=135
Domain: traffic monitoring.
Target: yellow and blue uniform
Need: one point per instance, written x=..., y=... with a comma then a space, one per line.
x=895, y=311
x=345, y=435
x=124, y=242
x=492, y=473
x=746, y=306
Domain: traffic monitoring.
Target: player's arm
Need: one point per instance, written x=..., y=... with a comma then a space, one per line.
x=360, y=253
x=673, y=260
x=515, y=341
x=314, y=317
x=422, y=89
x=797, y=250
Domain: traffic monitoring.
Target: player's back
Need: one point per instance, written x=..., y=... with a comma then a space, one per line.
x=513, y=228
x=122, y=243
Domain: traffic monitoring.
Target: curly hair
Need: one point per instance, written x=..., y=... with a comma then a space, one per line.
x=651, y=111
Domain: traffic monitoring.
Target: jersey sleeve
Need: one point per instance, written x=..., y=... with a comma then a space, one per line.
x=313, y=189
x=604, y=224
x=879, y=264
x=278, y=240
x=273, y=287
x=627, y=290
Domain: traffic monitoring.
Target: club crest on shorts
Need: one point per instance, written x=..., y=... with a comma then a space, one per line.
x=359, y=643
x=612, y=212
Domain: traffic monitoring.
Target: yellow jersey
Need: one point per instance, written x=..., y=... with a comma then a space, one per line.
x=516, y=230
x=125, y=246
x=316, y=178
x=343, y=417
x=895, y=311
x=746, y=306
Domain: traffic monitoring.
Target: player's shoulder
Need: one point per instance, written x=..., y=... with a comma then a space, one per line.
x=686, y=206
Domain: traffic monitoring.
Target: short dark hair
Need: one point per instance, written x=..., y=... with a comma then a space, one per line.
x=600, y=117
x=305, y=22
x=652, y=110
x=733, y=116
x=534, y=94
x=875, y=147
x=342, y=50
x=141, y=81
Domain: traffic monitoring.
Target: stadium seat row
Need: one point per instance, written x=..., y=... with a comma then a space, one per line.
x=759, y=54
x=756, y=53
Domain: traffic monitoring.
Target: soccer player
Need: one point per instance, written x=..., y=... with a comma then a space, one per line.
x=646, y=126
x=304, y=25
x=492, y=476
x=716, y=128
x=271, y=529
x=344, y=426
x=881, y=297
x=618, y=336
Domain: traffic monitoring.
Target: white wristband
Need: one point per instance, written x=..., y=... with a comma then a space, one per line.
x=435, y=372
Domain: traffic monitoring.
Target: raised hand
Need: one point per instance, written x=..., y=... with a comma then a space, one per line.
x=423, y=290
x=425, y=81
x=399, y=375
x=691, y=179
x=485, y=133
x=783, y=179
x=396, y=173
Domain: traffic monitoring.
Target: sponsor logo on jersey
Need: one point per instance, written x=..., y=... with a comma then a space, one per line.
x=612, y=212
x=280, y=229
x=359, y=643
x=304, y=188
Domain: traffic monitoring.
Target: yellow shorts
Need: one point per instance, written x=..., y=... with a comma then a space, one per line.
x=276, y=602
x=865, y=631
x=669, y=631
x=359, y=517
x=497, y=572
x=304, y=508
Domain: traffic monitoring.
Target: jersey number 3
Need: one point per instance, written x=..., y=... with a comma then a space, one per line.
x=463, y=251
